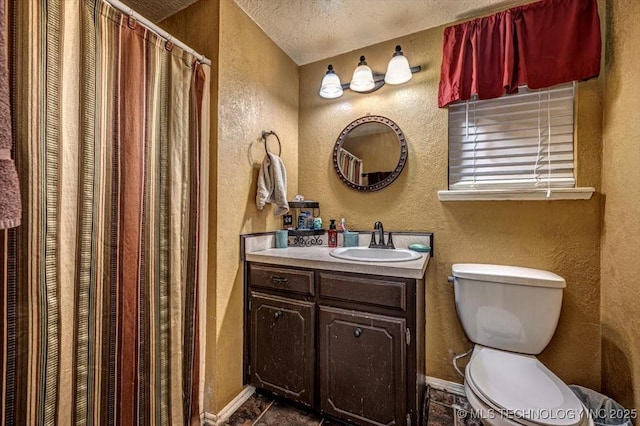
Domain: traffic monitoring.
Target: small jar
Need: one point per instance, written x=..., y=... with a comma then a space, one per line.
x=309, y=220
x=302, y=221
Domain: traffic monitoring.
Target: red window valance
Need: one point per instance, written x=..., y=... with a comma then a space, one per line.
x=540, y=44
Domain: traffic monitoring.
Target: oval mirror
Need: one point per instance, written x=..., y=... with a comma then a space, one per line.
x=370, y=153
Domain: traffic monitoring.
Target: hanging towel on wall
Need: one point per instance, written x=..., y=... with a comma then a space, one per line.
x=10, y=207
x=272, y=184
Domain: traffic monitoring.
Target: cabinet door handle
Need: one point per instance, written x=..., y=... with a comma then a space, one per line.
x=357, y=332
x=278, y=314
x=278, y=280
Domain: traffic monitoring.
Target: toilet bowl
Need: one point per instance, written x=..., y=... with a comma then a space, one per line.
x=507, y=389
x=511, y=314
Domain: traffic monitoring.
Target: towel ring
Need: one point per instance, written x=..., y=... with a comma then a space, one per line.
x=265, y=135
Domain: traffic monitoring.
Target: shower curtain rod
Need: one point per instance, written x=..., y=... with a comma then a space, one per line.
x=156, y=29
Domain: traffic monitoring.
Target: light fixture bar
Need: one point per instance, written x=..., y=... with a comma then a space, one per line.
x=365, y=80
x=379, y=77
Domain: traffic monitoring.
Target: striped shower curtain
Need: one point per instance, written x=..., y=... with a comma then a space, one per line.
x=99, y=306
x=351, y=166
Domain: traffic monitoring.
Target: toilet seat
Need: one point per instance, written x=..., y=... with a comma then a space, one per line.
x=521, y=388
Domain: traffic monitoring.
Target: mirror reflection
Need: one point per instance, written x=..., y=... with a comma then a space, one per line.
x=370, y=153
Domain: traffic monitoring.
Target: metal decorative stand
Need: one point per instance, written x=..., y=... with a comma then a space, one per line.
x=305, y=237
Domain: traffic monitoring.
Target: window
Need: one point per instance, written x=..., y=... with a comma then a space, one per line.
x=515, y=143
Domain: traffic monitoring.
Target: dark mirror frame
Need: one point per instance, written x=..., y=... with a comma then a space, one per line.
x=398, y=169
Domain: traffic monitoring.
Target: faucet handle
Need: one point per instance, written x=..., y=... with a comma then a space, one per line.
x=373, y=244
x=390, y=242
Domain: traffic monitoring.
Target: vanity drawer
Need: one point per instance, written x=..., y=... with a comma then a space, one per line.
x=372, y=291
x=275, y=278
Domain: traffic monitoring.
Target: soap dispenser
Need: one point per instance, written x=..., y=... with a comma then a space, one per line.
x=333, y=234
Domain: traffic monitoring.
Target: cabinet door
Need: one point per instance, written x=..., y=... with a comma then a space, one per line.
x=282, y=346
x=362, y=366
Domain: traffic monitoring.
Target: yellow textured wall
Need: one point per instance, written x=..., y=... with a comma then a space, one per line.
x=620, y=270
x=560, y=236
x=256, y=89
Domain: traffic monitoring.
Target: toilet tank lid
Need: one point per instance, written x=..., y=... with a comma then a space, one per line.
x=508, y=275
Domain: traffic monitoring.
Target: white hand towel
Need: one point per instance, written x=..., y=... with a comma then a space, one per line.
x=272, y=185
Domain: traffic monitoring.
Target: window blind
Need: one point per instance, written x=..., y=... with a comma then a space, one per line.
x=516, y=141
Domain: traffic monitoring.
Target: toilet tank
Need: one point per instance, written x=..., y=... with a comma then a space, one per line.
x=508, y=307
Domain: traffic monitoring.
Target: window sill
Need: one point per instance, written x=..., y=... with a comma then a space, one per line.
x=516, y=194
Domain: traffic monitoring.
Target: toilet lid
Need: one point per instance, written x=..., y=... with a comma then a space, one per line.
x=523, y=387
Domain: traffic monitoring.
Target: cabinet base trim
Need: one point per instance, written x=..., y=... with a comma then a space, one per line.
x=445, y=385
x=210, y=419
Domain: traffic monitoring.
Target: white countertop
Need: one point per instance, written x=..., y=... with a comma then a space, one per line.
x=317, y=257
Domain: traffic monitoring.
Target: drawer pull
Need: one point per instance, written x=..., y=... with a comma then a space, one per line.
x=278, y=314
x=357, y=332
x=278, y=280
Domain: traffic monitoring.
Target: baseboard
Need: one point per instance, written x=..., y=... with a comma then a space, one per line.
x=445, y=385
x=209, y=419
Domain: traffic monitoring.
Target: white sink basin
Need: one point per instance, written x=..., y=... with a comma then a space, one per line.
x=366, y=254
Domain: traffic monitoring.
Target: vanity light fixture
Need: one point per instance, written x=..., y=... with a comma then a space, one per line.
x=365, y=80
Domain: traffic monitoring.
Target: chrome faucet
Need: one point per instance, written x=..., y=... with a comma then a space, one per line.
x=380, y=244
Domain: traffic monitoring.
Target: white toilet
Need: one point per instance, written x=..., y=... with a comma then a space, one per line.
x=511, y=313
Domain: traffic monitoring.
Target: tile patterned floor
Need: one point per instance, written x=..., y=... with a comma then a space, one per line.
x=443, y=409
x=447, y=409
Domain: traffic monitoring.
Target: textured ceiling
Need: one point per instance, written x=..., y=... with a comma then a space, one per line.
x=311, y=30
x=157, y=10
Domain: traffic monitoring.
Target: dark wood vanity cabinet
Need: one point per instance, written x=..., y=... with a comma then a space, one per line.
x=348, y=345
x=282, y=338
x=362, y=366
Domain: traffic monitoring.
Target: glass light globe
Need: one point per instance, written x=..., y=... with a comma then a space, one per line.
x=362, y=80
x=331, y=87
x=398, y=70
